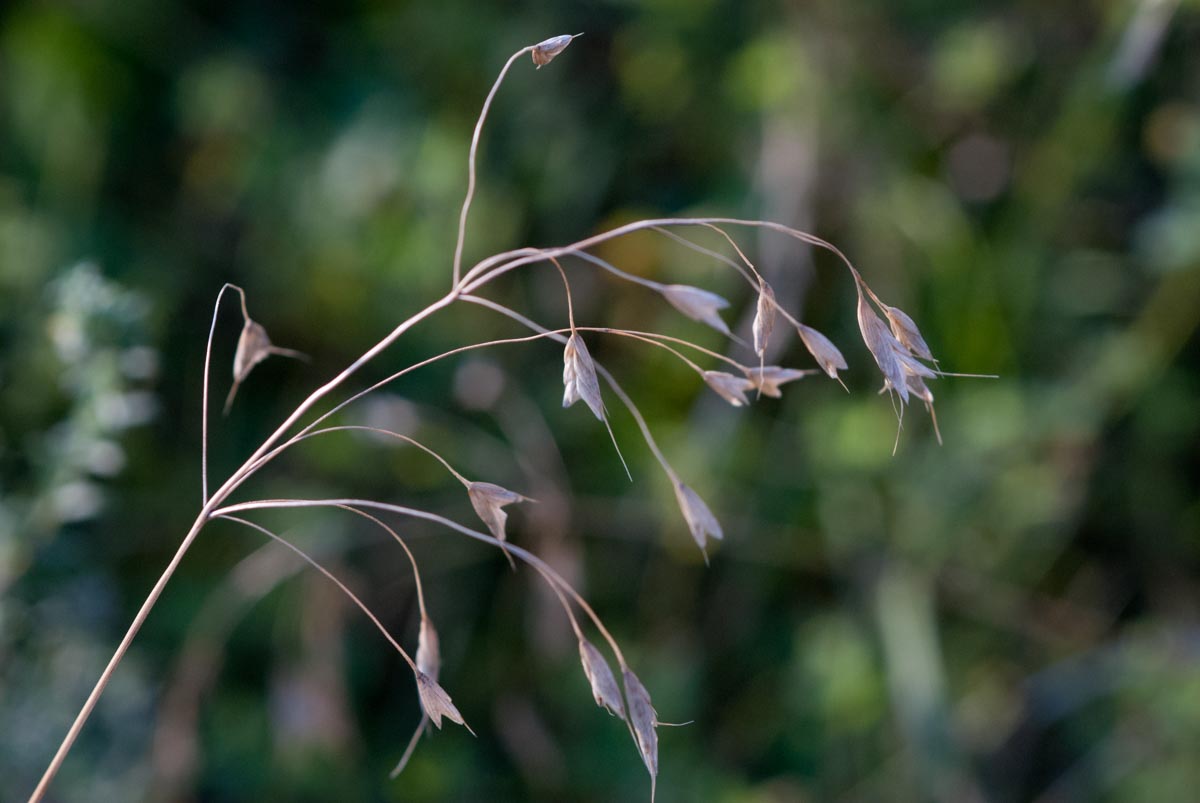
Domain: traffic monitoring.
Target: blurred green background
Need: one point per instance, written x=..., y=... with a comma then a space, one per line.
x=1012, y=616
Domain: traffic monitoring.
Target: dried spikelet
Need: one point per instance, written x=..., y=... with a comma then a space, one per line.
x=906, y=331
x=918, y=388
x=253, y=347
x=429, y=654
x=883, y=347
x=699, y=305
x=729, y=387
x=437, y=703
x=579, y=376
x=643, y=719
x=912, y=366
x=604, y=685
x=489, y=500
x=700, y=520
x=768, y=378
x=822, y=349
x=580, y=382
x=544, y=52
x=764, y=317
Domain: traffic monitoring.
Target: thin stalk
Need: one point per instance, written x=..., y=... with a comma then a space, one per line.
x=231, y=484
x=524, y=554
x=470, y=282
x=204, y=401
x=345, y=590
x=390, y=434
x=89, y=704
x=466, y=207
x=407, y=551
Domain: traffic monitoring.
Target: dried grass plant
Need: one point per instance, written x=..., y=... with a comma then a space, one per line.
x=891, y=336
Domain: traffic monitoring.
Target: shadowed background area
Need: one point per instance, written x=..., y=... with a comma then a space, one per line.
x=1012, y=616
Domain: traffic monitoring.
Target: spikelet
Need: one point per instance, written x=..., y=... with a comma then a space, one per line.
x=764, y=317
x=700, y=520
x=579, y=376
x=822, y=349
x=489, y=500
x=429, y=654
x=643, y=720
x=544, y=52
x=253, y=347
x=729, y=387
x=699, y=305
x=436, y=703
x=906, y=331
x=766, y=380
x=604, y=685
x=883, y=347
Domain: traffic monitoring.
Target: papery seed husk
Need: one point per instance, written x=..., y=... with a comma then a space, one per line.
x=906, y=331
x=823, y=351
x=544, y=52
x=429, y=655
x=911, y=366
x=918, y=388
x=488, y=499
x=600, y=676
x=699, y=305
x=643, y=719
x=700, y=520
x=768, y=378
x=729, y=387
x=579, y=376
x=764, y=317
x=436, y=702
x=883, y=347
x=253, y=347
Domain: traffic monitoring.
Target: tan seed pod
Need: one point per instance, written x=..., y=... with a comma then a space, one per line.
x=699, y=305
x=544, y=52
x=437, y=703
x=579, y=376
x=729, y=387
x=883, y=347
x=764, y=317
x=906, y=331
x=604, y=685
x=643, y=719
x=700, y=520
x=822, y=349
x=768, y=378
x=429, y=655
